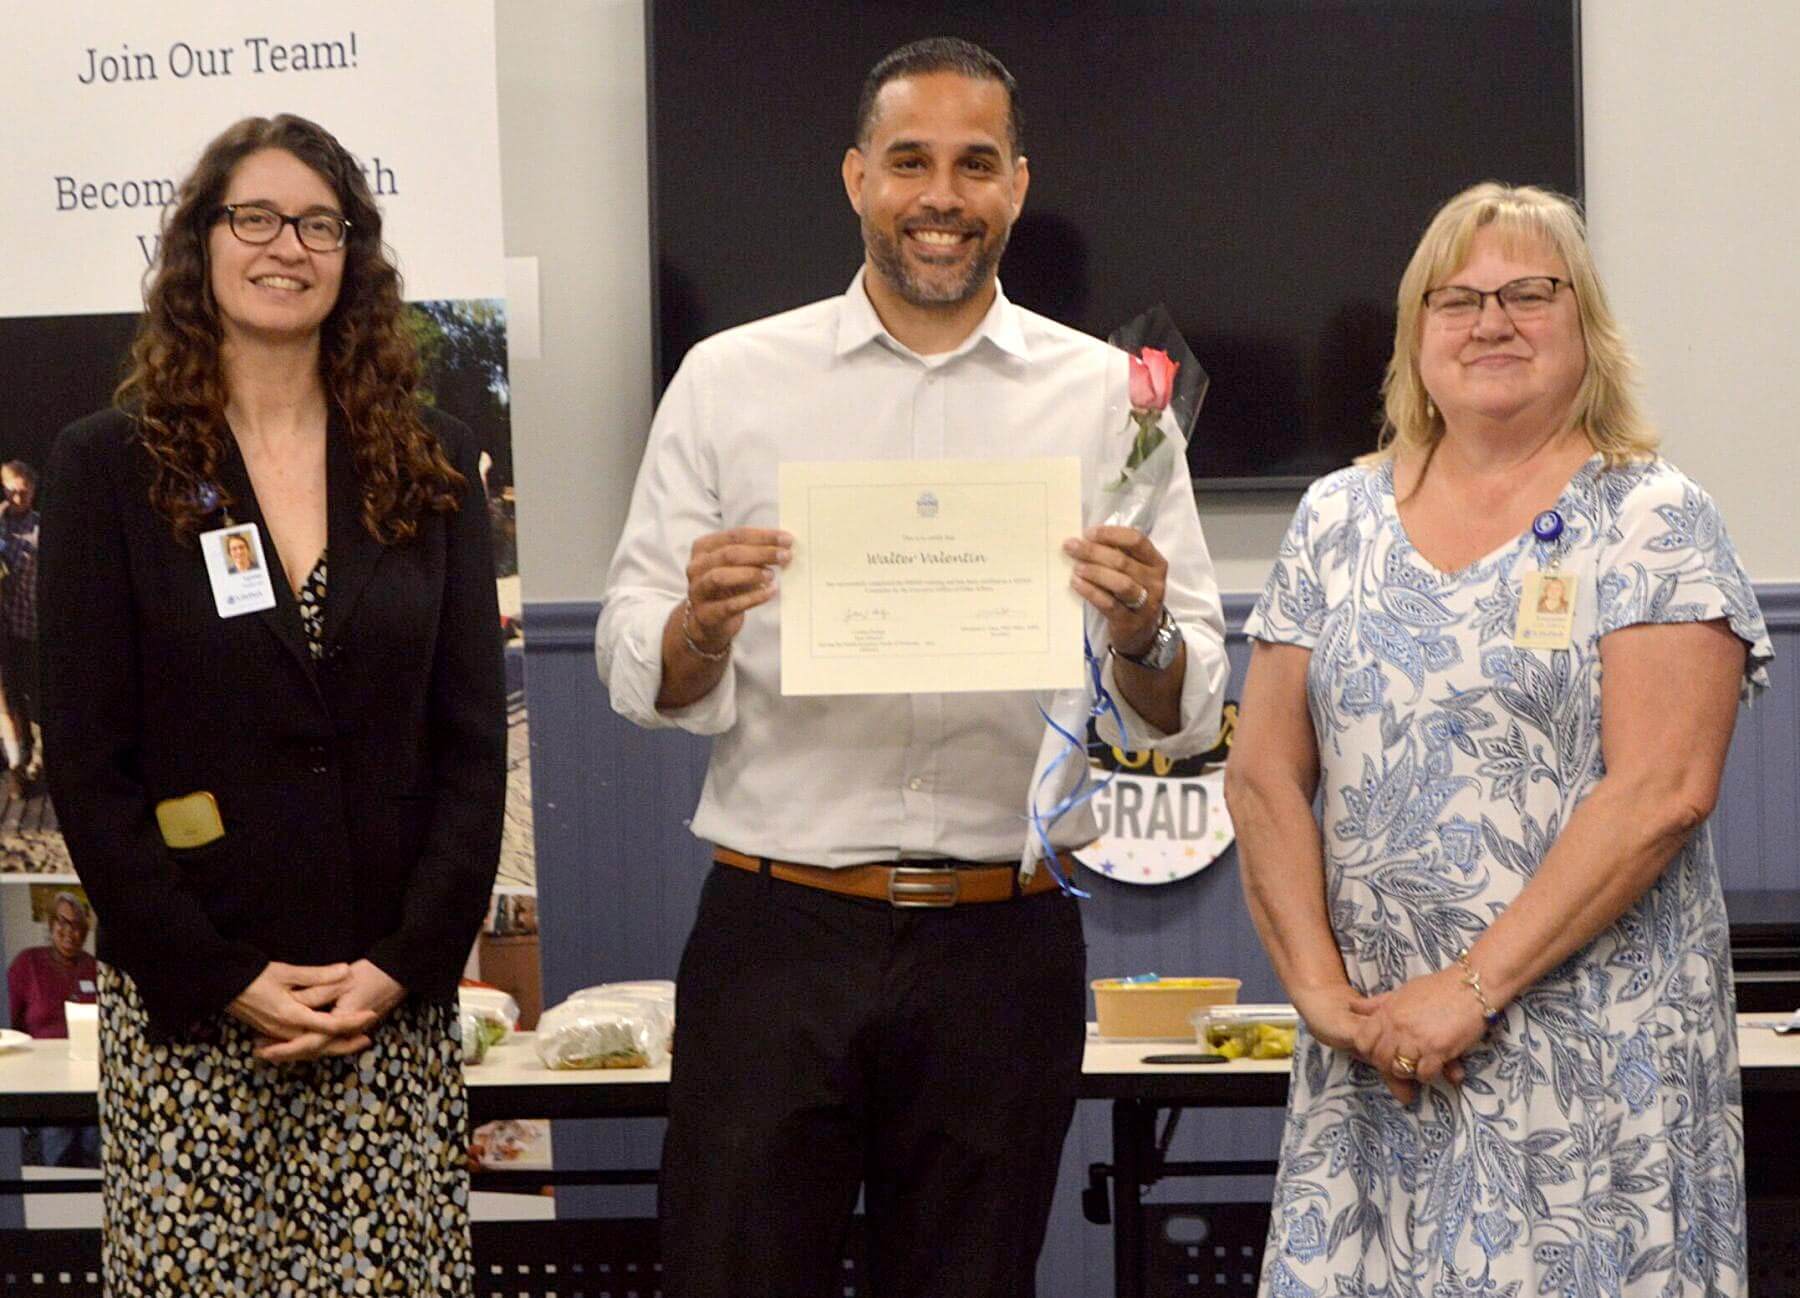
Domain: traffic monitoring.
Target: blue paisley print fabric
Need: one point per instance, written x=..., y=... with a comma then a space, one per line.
x=1595, y=1148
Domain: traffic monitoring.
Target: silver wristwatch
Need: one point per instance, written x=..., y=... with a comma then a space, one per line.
x=1163, y=647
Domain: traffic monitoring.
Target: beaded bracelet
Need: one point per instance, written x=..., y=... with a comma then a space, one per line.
x=687, y=611
x=1471, y=978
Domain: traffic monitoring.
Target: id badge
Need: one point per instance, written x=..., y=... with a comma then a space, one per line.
x=238, y=568
x=1546, y=611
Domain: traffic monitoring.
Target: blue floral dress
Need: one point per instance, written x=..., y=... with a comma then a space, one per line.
x=1596, y=1146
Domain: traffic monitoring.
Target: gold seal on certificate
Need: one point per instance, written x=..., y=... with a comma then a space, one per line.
x=929, y=576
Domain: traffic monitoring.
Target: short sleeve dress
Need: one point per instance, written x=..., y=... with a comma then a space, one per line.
x=1596, y=1146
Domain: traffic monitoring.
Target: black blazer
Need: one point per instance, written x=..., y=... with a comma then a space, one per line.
x=362, y=796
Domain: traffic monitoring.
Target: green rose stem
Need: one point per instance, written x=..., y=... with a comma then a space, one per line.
x=1149, y=436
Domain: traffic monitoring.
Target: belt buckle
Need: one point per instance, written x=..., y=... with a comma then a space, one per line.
x=922, y=886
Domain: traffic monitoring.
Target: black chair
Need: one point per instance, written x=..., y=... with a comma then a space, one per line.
x=604, y=1257
x=1765, y=949
x=1774, y=1230
x=1204, y=1248
x=50, y=1263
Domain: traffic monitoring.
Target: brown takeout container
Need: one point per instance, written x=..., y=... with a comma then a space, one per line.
x=1164, y=1008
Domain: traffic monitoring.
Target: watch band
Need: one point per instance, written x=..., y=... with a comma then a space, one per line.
x=1160, y=653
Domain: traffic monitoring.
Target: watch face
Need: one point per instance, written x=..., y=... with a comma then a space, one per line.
x=1163, y=648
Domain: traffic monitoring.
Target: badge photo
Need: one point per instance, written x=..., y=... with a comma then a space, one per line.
x=1546, y=618
x=238, y=568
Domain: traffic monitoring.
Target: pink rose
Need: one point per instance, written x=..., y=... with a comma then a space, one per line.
x=1152, y=379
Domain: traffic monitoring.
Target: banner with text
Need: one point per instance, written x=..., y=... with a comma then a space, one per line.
x=108, y=106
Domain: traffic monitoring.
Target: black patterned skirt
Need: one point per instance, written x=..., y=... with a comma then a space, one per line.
x=224, y=1175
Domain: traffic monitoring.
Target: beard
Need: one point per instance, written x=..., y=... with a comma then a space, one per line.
x=936, y=291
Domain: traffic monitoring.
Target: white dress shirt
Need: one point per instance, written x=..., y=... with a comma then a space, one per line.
x=848, y=779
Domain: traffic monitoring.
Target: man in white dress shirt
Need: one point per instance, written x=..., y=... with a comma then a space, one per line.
x=834, y=1037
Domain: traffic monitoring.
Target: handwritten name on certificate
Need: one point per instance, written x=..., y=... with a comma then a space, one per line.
x=925, y=576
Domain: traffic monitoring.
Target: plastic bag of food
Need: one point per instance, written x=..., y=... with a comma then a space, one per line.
x=659, y=991
x=603, y=1027
x=510, y=1142
x=487, y=1016
x=480, y=1034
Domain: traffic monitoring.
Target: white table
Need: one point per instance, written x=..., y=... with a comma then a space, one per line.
x=40, y=1085
x=1141, y=1092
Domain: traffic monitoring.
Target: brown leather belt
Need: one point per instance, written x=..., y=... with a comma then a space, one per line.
x=901, y=885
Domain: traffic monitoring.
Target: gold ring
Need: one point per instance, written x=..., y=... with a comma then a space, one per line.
x=1405, y=1067
x=1133, y=605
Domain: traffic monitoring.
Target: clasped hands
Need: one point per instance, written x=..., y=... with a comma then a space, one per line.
x=1118, y=570
x=301, y=1012
x=1419, y=1032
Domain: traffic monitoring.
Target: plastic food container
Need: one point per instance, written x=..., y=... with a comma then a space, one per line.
x=488, y=1015
x=1247, y=1031
x=613, y=1025
x=1161, y=1007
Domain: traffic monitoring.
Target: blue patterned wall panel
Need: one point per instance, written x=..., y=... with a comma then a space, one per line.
x=1757, y=825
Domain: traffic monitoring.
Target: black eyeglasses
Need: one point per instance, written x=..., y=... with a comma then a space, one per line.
x=318, y=231
x=1521, y=299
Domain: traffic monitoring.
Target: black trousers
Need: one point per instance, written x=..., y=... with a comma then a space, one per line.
x=825, y=1045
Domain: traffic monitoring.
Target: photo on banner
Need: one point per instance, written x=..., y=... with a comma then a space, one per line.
x=113, y=104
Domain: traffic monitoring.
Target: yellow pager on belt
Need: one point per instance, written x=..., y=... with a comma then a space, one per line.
x=190, y=821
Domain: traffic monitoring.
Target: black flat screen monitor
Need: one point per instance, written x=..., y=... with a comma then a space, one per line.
x=1261, y=167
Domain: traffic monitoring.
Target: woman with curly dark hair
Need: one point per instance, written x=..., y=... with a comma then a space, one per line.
x=281, y=786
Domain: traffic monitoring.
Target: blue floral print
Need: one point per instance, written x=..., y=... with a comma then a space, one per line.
x=1595, y=1147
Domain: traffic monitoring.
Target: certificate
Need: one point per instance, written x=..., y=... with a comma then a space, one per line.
x=927, y=576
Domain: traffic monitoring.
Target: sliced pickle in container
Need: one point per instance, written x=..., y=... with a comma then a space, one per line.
x=1248, y=1031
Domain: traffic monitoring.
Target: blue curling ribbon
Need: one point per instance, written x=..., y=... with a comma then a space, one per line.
x=1043, y=822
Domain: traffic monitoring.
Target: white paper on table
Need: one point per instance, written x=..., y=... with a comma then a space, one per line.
x=930, y=576
x=83, y=1020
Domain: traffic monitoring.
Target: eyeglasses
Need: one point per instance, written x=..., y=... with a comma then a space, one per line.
x=1521, y=299
x=318, y=231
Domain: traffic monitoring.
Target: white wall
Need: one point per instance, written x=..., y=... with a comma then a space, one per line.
x=575, y=190
x=1694, y=197
x=1693, y=186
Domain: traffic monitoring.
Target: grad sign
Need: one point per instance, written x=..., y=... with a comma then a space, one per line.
x=111, y=103
x=1159, y=820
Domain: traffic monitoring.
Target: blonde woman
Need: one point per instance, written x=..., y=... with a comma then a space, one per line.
x=1506, y=935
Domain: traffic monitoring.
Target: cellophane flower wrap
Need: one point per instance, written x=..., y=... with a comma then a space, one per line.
x=1164, y=393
